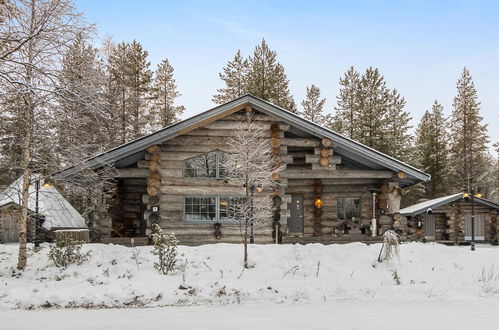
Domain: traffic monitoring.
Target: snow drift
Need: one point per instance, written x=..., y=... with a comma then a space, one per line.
x=213, y=274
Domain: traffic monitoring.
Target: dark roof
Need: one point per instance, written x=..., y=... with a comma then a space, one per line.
x=343, y=145
x=434, y=203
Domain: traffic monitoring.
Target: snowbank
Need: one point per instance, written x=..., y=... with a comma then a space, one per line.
x=282, y=274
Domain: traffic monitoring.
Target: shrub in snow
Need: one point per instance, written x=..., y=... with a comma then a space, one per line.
x=135, y=254
x=390, y=247
x=165, y=247
x=66, y=252
x=396, y=277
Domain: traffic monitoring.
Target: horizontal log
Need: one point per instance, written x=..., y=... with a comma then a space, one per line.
x=168, y=148
x=202, y=191
x=300, y=142
x=222, y=132
x=203, y=182
x=310, y=159
x=242, y=116
x=133, y=173
x=226, y=124
x=326, y=142
x=153, y=149
x=171, y=173
x=344, y=174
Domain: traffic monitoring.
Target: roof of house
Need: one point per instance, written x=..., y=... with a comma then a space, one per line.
x=52, y=205
x=364, y=155
x=434, y=203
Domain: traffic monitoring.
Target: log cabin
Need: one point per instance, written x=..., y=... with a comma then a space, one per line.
x=330, y=190
x=448, y=220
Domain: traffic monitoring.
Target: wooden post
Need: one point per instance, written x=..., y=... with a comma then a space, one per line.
x=151, y=215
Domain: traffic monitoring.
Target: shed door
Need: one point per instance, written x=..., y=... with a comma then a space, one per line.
x=479, y=227
x=10, y=232
x=295, y=221
x=429, y=225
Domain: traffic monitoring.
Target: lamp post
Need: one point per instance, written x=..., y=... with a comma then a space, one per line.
x=37, y=218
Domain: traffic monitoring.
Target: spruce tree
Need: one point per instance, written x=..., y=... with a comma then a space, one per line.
x=313, y=106
x=118, y=91
x=468, y=136
x=234, y=76
x=432, y=152
x=163, y=93
x=267, y=79
x=79, y=116
x=397, y=136
x=347, y=109
x=140, y=77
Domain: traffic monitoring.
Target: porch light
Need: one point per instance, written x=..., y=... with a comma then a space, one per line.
x=259, y=189
x=46, y=185
x=318, y=203
x=466, y=195
x=479, y=195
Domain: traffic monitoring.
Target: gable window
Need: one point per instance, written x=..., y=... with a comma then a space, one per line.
x=211, y=208
x=348, y=208
x=207, y=165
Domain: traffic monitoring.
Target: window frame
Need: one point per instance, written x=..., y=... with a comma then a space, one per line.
x=217, y=166
x=344, y=209
x=217, y=209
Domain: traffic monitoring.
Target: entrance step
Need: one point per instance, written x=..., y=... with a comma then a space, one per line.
x=126, y=241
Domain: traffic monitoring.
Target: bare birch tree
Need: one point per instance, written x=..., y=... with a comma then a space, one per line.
x=37, y=32
x=250, y=163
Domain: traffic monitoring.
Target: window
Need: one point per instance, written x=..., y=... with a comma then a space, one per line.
x=348, y=208
x=208, y=165
x=212, y=208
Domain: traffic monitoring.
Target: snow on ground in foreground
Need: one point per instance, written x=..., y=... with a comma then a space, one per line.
x=370, y=314
x=282, y=274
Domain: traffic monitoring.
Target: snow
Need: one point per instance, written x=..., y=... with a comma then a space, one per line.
x=281, y=274
x=56, y=209
x=424, y=206
x=364, y=314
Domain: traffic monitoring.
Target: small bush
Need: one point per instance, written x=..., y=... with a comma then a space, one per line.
x=165, y=247
x=390, y=247
x=396, y=277
x=66, y=252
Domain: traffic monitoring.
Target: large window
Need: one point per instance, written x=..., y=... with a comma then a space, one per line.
x=208, y=165
x=212, y=208
x=348, y=208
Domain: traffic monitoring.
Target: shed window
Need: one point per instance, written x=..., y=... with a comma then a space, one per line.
x=212, y=208
x=206, y=165
x=348, y=208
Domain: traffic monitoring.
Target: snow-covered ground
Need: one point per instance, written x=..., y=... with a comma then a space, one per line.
x=289, y=284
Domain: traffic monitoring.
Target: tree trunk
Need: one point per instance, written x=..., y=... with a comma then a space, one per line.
x=26, y=154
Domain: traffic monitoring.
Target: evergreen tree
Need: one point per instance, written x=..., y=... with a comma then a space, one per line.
x=369, y=112
x=468, y=136
x=313, y=106
x=266, y=78
x=117, y=91
x=234, y=76
x=140, y=77
x=347, y=109
x=398, y=140
x=432, y=153
x=79, y=117
x=164, y=92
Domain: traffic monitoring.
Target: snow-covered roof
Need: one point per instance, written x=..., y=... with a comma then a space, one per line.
x=434, y=203
x=52, y=205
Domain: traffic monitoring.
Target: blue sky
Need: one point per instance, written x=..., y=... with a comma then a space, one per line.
x=420, y=47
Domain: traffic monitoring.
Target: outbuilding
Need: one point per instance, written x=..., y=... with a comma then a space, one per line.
x=45, y=203
x=448, y=219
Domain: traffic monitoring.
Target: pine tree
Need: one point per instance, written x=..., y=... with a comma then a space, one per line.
x=266, y=78
x=468, y=136
x=79, y=117
x=313, y=106
x=347, y=109
x=234, y=76
x=118, y=91
x=373, y=110
x=398, y=139
x=163, y=93
x=432, y=152
x=140, y=77
x=369, y=112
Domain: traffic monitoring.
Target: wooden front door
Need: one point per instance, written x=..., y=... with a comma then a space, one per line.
x=10, y=231
x=429, y=226
x=295, y=220
x=479, y=227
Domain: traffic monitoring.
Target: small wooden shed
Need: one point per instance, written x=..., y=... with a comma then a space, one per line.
x=448, y=219
x=54, y=210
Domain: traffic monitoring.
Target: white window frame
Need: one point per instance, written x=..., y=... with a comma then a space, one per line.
x=217, y=209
